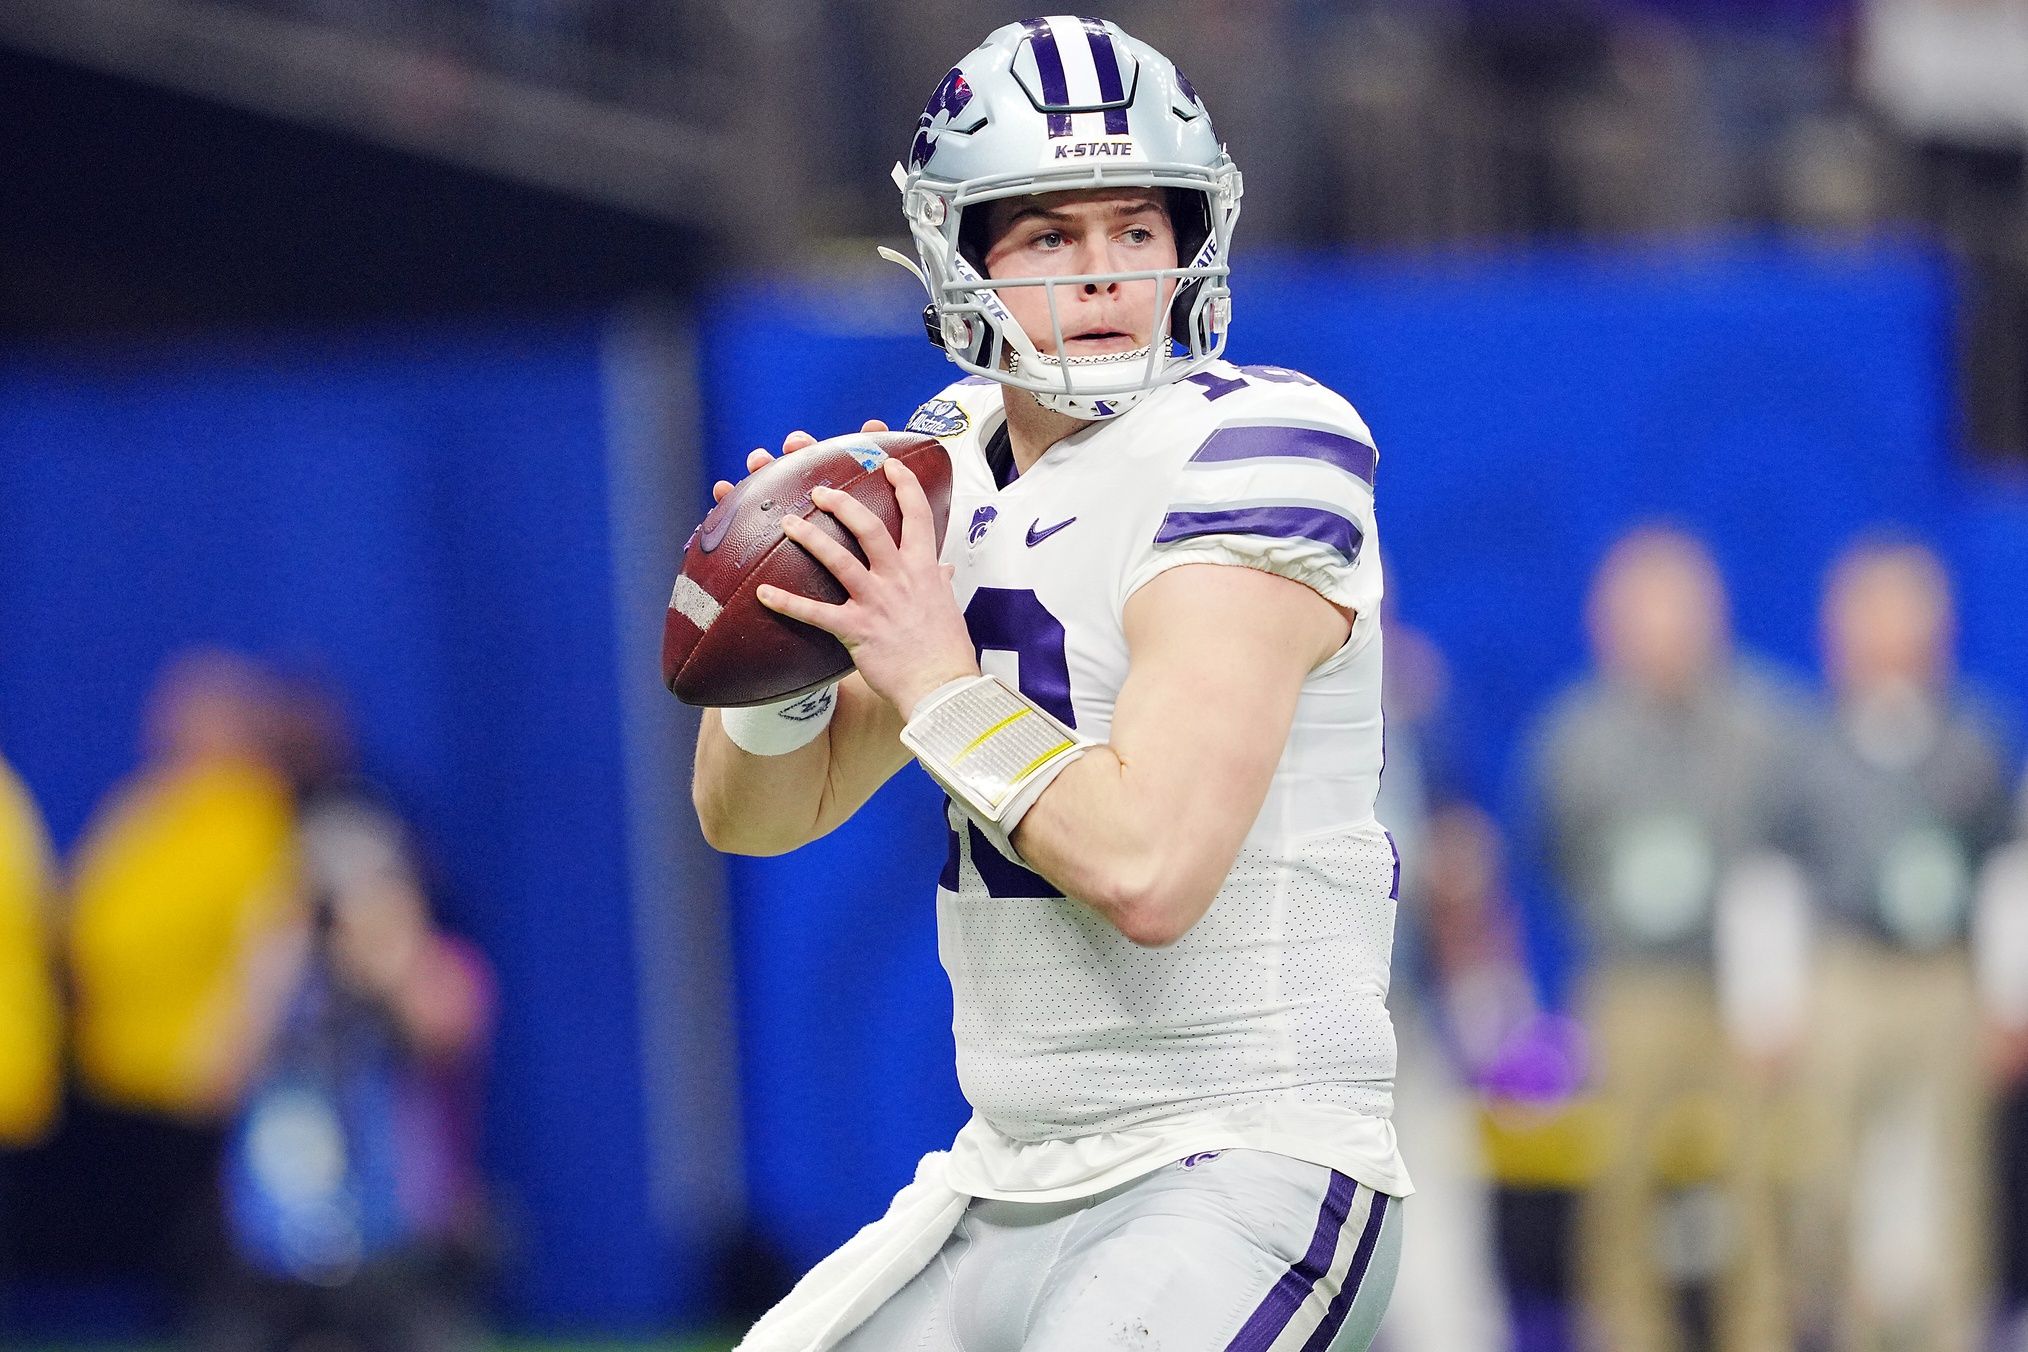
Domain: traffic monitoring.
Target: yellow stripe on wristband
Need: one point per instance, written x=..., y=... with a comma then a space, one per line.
x=976, y=742
x=1029, y=768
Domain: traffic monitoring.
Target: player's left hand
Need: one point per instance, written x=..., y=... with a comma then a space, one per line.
x=899, y=620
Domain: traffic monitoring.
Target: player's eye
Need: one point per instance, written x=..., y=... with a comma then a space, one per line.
x=1140, y=234
x=1049, y=239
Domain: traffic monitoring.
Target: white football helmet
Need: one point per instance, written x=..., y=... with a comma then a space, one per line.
x=1052, y=105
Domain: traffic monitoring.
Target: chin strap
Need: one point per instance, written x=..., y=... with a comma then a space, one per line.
x=1089, y=408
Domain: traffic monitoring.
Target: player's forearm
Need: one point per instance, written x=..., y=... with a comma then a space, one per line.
x=764, y=805
x=757, y=805
x=1150, y=862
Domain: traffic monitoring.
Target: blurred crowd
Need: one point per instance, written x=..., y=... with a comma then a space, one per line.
x=1774, y=1095
x=1361, y=122
x=1715, y=1038
x=238, y=1059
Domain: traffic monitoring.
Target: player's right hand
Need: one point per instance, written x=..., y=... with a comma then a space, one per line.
x=794, y=441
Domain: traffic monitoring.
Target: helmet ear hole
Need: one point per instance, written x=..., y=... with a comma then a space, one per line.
x=973, y=241
x=1190, y=219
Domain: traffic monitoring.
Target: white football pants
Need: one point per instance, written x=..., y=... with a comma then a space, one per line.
x=1232, y=1251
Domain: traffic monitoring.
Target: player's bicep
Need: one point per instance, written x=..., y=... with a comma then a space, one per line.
x=1218, y=659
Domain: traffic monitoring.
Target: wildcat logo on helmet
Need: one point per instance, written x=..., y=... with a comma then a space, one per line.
x=949, y=100
x=938, y=418
x=1086, y=150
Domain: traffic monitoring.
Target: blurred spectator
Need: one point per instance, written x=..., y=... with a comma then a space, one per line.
x=1916, y=799
x=182, y=872
x=1447, y=1294
x=2001, y=948
x=1524, y=1067
x=352, y=1206
x=1655, y=781
x=29, y=1044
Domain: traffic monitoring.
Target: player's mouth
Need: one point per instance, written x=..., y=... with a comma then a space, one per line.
x=1098, y=340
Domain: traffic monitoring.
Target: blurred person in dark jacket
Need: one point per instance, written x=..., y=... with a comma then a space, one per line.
x=1659, y=783
x=352, y=1206
x=1915, y=800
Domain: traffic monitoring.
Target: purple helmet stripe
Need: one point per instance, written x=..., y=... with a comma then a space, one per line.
x=1108, y=62
x=1355, y=1277
x=1350, y=454
x=1287, y=1295
x=1049, y=65
x=1281, y=522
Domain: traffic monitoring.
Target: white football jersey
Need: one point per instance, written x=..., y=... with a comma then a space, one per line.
x=1088, y=1058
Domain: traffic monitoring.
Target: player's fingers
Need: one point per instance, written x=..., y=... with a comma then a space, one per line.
x=842, y=562
x=918, y=525
x=819, y=613
x=796, y=441
x=873, y=425
x=856, y=517
x=757, y=457
x=720, y=489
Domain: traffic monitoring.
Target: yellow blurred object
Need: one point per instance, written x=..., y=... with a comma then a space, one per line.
x=29, y=1060
x=1541, y=1146
x=173, y=887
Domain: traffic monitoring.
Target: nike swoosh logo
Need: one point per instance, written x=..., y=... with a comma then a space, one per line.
x=1036, y=537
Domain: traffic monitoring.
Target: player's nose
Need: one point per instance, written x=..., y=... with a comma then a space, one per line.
x=1096, y=257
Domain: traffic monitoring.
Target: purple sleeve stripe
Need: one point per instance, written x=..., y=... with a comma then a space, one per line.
x=1287, y=1295
x=1350, y=454
x=1278, y=522
x=1108, y=62
x=1049, y=65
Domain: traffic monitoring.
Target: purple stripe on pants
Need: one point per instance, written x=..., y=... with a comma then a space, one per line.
x=1282, y=1301
x=1362, y=1257
x=1108, y=63
x=1049, y=65
x=1278, y=522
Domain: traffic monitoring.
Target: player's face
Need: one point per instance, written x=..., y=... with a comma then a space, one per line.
x=1094, y=230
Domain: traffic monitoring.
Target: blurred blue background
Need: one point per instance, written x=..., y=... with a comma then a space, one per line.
x=405, y=368
x=424, y=517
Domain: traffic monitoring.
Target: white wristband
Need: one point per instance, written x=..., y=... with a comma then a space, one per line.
x=778, y=729
x=993, y=749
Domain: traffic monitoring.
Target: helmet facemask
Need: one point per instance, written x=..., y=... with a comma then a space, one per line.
x=983, y=337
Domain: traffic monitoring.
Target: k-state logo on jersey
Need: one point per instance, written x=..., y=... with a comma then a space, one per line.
x=938, y=418
x=980, y=520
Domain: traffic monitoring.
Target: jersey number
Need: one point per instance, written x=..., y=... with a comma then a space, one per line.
x=1008, y=621
x=1217, y=387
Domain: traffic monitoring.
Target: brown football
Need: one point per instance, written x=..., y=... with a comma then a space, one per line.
x=724, y=649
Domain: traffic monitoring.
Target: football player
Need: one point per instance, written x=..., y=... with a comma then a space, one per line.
x=1146, y=669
